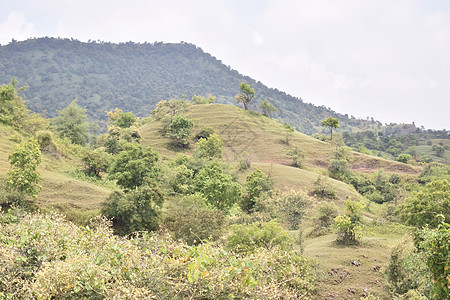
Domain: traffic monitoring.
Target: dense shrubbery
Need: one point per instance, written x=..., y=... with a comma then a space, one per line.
x=46, y=257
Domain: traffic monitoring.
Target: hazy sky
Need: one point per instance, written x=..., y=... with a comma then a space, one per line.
x=388, y=59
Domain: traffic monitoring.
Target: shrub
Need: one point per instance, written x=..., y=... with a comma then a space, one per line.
x=204, y=133
x=247, y=238
x=323, y=189
x=96, y=162
x=291, y=206
x=325, y=214
x=297, y=156
x=136, y=210
x=348, y=227
x=190, y=220
x=45, y=257
x=404, y=158
x=209, y=149
x=256, y=184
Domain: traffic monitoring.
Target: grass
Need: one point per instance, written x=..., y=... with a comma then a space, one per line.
x=351, y=272
x=71, y=196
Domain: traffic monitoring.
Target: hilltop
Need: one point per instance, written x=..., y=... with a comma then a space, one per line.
x=134, y=77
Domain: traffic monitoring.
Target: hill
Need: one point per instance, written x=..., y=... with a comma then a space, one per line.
x=134, y=77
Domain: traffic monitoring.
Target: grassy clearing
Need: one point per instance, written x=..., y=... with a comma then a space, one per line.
x=357, y=271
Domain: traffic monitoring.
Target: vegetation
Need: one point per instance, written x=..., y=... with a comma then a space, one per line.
x=240, y=214
x=246, y=96
x=71, y=123
x=331, y=123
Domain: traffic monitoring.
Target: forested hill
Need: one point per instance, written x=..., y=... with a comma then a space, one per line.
x=134, y=77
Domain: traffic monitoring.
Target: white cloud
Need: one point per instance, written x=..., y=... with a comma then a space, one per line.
x=16, y=27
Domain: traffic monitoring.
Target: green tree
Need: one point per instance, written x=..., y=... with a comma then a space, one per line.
x=125, y=120
x=203, y=100
x=167, y=110
x=217, y=187
x=12, y=107
x=427, y=206
x=348, y=226
x=134, y=166
x=23, y=175
x=331, y=123
x=181, y=129
x=297, y=156
x=434, y=245
x=210, y=148
x=289, y=131
x=95, y=162
x=71, y=123
x=247, y=95
x=404, y=158
x=267, y=108
x=292, y=205
x=135, y=210
x=256, y=184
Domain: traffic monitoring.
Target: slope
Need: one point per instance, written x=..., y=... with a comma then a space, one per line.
x=77, y=199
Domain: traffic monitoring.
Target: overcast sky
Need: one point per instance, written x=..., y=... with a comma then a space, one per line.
x=388, y=59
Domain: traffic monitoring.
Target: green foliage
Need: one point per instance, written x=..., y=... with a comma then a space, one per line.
x=331, y=123
x=246, y=96
x=46, y=257
x=434, y=171
x=406, y=272
x=181, y=179
x=190, y=220
x=217, y=187
x=125, y=120
x=167, y=110
x=209, y=149
x=267, y=108
x=256, y=184
x=44, y=139
x=71, y=123
x=203, y=100
x=180, y=129
x=348, y=226
x=427, y=206
x=297, y=156
x=404, y=158
x=435, y=247
x=95, y=161
x=204, y=133
x=288, y=132
x=12, y=107
x=247, y=238
x=322, y=189
x=438, y=150
x=134, y=166
x=340, y=163
x=326, y=212
x=291, y=206
x=135, y=210
x=23, y=176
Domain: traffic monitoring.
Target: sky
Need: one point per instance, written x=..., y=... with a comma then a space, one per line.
x=386, y=59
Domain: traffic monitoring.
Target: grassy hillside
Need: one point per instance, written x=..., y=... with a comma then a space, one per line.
x=261, y=138
x=78, y=199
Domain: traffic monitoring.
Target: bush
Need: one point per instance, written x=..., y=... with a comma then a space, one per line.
x=325, y=214
x=297, y=156
x=204, y=133
x=209, y=149
x=256, y=184
x=323, y=189
x=190, y=220
x=136, y=210
x=45, y=257
x=291, y=207
x=348, y=227
x=247, y=238
x=404, y=158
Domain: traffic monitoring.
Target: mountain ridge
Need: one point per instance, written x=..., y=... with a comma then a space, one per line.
x=136, y=76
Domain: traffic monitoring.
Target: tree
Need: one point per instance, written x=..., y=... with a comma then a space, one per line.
x=71, y=123
x=289, y=131
x=95, y=161
x=23, y=175
x=246, y=98
x=167, y=110
x=331, y=123
x=267, y=108
x=210, y=148
x=134, y=166
x=256, y=184
x=12, y=107
x=135, y=210
x=348, y=226
x=427, y=206
x=203, y=100
x=217, y=187
x=181, y=129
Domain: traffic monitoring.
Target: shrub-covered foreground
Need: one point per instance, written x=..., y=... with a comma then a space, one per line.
x=44, y=256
